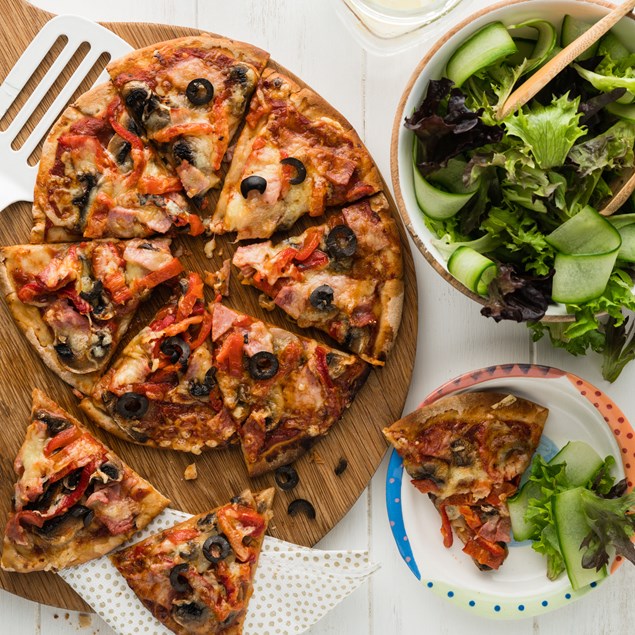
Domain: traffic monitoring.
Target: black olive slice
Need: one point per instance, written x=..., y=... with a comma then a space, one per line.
x=200, y=91
x=286, y=477
x=136, y=101
x=80, y=511
x=71, y=481
x=64, y=351
x=50, y=526
x=110, y=470
x=176, y=349
x=179, y=584
x=253, y=182
x=341, y=242
x=340, y=468
x=124, y=152
x=216, y=548
x=263, y=365
x=132, y=405
x=204, y=388
x=300, y=505
x=299, y=168
x=183, y=151
x=185, y=614
x=93, y=297
x=322, y=297
x=54, y=424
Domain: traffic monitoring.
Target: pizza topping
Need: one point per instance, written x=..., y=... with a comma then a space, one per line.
x=286, y=477
x=341, y=466
x=200, y=91
x=132, y=405
x=253, y=182
x=202, y=389
x=53, y=424
x=182, y=151
x=64, y=351
x=299, y=169
x=189, y=613
x=263, y=365
x=341, y=242
x=136, y=99
x=178, y=582
x=83, y=512
x=176, y=350
x=216, y=548
x=300, y=505
x=322, y=297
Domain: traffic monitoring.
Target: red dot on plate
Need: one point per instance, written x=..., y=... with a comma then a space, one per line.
x=597, y=405
x=579, y=382
x=606, y=419
x=609, y=406
x=618, y=558
x=597, y=393
x=630, y=483
x=617, y=432
x=583, y=392
x=620, y=419
x=628, y=466
x=624, y=450
x=629, y=435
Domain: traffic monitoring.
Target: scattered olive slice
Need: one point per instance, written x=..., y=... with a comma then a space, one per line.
x=64, y=351
x=80, y=511
x=340, y=468
x=299, y=168
x=253, y=182
x=200, y=91
x=179, y=584
x=183, y=151
x=300, y=505
x=322, y=297
x=176, y=349
x=341, y=242
x=263, y=365
x=216, y=548
x=286, y=477
x=132, y=405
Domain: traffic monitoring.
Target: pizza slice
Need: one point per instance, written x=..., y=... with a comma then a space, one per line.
x=99, y=178
x=190, y=95
x=294, y=156
x=285, y=391
x=162, y=389
x=344, y=277
x=75, y=500
x=468, y=452
x=197, y=577
x=75, y=301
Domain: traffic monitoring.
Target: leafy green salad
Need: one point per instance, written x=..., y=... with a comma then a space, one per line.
x=514, y=203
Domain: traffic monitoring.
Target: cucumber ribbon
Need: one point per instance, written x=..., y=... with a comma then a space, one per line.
x=472, y=269
x=544, y=44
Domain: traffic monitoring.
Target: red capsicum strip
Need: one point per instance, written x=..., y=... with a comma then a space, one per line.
x=188, y=300
x=231, y=354
x=171, y=269
x=323, y=367
x=62, y=439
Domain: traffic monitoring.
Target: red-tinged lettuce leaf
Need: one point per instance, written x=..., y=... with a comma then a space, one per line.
x=512, y=296
x=446, y=130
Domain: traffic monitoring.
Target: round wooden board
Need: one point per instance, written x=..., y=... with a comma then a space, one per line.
x=221, y=474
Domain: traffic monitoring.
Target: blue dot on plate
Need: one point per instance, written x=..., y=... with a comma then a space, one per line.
x=450, y=594
x=521, y=607
x=567, y=595
x=545, y=603
x=430, y=585
x=593, y=585
x=472, y=603
x=497, y=608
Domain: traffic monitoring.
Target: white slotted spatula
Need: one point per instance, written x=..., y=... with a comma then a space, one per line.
x=17, y=177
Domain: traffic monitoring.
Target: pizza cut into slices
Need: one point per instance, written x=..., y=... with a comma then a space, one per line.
x=285, y=391
x=74, y=500
x=161, y=390
x=75, y=301
x=190, y=95
x=294, y=156
x=197, y=577
x=99, y=178
x=344, y=277
x=468, y=452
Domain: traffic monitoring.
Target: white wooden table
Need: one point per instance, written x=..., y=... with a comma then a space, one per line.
x=308, y=38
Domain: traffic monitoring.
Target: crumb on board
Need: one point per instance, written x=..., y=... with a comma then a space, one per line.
x=219, y=280
x=315, y=457
x=191, y=472
x=210, y=245
x=267, y=303
x=85, y=620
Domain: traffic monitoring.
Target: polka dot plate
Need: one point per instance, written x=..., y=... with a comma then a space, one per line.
x=520, y=588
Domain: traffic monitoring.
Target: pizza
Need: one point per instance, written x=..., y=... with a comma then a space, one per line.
x=190, y=95
x=295, y=156
x=74, y=500
x=197, y=577
x=284, y=391
x=468, y=452
x=344, y=277
x=161, y=390
x=75, y=301
x=99, y=178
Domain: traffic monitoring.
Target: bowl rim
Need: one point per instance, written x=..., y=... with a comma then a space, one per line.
x=394, y=144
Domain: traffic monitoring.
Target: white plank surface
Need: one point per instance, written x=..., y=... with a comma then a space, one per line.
x=308, y=38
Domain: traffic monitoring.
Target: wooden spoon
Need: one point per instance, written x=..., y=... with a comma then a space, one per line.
x=622, y=189
x=545, y=74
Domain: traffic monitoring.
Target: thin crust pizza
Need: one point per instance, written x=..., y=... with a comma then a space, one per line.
x=190, y=95
x=197, y=577
x=294, y=156
x=344, y=277
x=99, y=178
x=75, y=500
x=285, y=391
x=161, y=390
x=75, y=301
x=468, y=452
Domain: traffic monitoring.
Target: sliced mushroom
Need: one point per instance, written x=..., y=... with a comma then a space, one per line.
x=55, y=425
x=189, y=613
x=64, y=351
x=183, y=151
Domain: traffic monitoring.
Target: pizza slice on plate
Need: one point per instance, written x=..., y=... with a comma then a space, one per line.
x=294, y=156
x=162, y=389
x=284, y=390
x=99, y=178
x=468, y=452
x=197, y=577
x=190, y=95
x=344, y=277
x=75, y=500
x=75, y=301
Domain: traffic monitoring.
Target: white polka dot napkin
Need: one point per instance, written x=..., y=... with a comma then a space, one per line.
x=294, y=586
